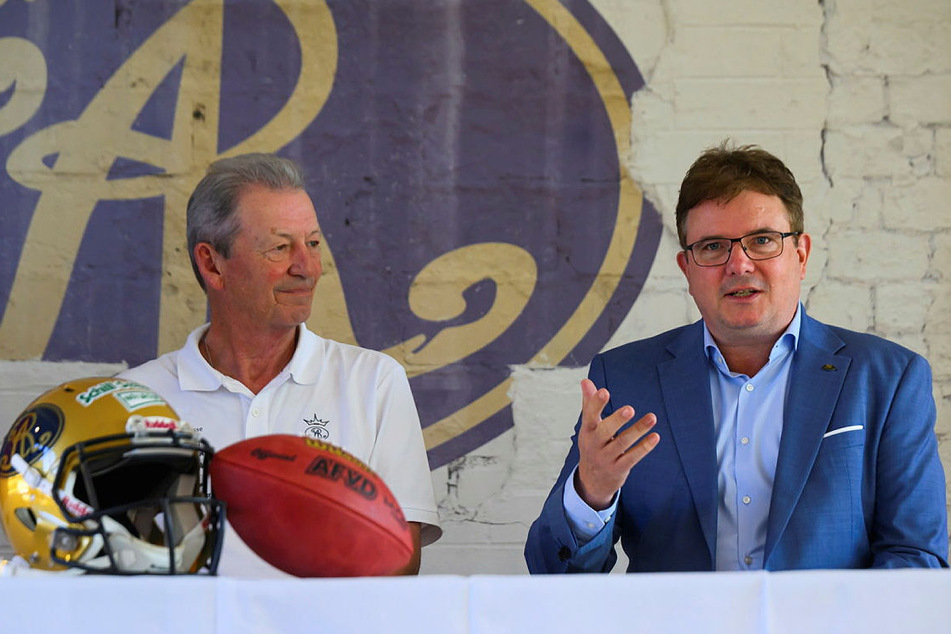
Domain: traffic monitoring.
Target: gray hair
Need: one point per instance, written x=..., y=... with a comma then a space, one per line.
x=210, y=215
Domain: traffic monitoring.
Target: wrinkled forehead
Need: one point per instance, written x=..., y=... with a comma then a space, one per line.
x=262, y=210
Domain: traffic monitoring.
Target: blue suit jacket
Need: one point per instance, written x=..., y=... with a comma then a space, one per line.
x=858, y=499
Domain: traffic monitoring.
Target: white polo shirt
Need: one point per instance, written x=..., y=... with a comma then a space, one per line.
x=354, y=398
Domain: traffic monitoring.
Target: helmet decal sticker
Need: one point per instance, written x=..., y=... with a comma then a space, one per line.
x=32, y=435
x=131, y=395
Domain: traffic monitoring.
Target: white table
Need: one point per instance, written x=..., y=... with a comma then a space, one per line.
x=907, y=602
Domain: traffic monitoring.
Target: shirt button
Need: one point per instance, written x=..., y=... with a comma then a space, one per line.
x=745, y=440
x=748, y=560
x=746, y=499
x=749, y=387
x=255, y=412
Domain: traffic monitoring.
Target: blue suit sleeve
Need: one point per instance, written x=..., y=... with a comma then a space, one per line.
x=551, y=547
x=909, y=526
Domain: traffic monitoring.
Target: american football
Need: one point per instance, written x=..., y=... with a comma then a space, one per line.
x=310, y=508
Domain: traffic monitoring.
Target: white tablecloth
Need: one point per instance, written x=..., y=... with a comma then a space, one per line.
x=906, y=602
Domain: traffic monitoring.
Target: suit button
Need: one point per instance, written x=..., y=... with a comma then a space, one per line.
x=564, y=554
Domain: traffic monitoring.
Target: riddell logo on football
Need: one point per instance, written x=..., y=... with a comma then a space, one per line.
x=264, y=454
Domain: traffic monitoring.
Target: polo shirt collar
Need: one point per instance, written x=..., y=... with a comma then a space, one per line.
x=195, y=374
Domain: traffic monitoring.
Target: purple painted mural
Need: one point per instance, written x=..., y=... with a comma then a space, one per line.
x=464, y=158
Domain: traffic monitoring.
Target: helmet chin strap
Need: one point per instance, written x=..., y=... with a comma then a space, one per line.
x=137, y=556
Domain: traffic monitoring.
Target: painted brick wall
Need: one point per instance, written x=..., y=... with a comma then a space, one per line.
x=855, y=95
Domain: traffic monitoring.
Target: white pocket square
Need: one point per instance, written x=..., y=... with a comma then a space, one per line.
x=842, y=430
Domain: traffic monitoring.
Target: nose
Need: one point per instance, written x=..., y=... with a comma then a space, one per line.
x=305, y=262
x=738, y=261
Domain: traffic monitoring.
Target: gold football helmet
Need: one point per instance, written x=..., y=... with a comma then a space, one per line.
x=99, y=475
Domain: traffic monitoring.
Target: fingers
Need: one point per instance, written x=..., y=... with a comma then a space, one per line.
x=607, y=449
x=593, y=402
x=627, y=439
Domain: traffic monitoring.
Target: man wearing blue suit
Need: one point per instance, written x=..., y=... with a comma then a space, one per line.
x=765, y=439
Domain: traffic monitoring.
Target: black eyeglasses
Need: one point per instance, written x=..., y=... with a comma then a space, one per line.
x=761, y=245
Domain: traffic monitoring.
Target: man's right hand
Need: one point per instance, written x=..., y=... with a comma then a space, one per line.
x=606, y=455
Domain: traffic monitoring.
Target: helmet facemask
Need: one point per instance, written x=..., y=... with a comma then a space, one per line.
x=144, y=504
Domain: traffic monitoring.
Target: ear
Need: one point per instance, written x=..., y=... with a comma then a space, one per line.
x=207, y=259
x=682, y=261
x=802, y=250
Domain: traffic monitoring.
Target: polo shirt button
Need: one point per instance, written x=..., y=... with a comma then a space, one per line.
x=255, y=412
x=749, y=387
x=746, y=499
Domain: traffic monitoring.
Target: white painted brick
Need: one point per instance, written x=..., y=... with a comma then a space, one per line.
x=641, y=25
x=546, y=404
x=902, y=309
x=852, y=204
x=800, y=47
x=719, y=52
x=922, y=99
x=816, y=266
x=856, y=100
x=800, y=150
x=914, y=13
x=653, y=313
x=733, y=104
x=473, y=559
x=869, y=209
x=874, y=257
x=936, y=333
x=846, y=305
x=941, y=258
x=875, y=151
x=746, y=12
x=912, y=48
x=865, y=45
x=925, y=206
x=942, y=152
x=664, y=156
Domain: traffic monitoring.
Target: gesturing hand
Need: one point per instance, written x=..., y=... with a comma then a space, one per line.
x=606, y=455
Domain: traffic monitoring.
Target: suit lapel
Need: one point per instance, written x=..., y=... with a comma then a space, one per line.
x=686, y=394
x=815, y=381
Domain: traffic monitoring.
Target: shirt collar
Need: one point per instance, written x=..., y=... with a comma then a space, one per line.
x=788, y=341
x=195, y=374
x=304, y=365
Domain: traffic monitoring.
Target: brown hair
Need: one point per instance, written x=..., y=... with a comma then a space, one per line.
x=722, y=173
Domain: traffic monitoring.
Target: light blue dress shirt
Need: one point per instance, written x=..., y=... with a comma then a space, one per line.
x=748, y=419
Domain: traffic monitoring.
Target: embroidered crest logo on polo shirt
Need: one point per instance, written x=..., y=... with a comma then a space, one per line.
x=316, y=428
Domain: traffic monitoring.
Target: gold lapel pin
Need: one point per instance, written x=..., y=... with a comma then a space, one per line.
x=829, y=367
